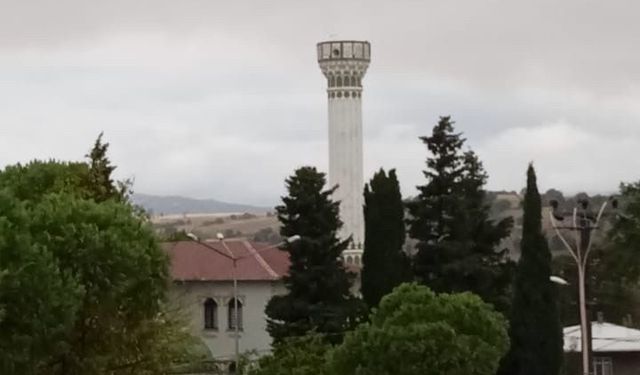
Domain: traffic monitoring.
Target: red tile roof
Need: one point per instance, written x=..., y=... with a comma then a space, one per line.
x=198, y=261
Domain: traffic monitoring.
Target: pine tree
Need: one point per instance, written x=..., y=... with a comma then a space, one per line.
x=318, y=297
x=535, y=331
x=385, y=265
x=450, y=219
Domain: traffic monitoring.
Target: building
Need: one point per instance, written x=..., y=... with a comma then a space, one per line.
x=616, y=349
x=344, y=64
x=203, y=289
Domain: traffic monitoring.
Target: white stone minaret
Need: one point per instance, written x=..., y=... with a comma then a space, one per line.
x=344, y=63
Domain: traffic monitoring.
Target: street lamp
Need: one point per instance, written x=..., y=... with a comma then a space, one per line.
x=558, y=280
x=583, y=223
x=230, y=255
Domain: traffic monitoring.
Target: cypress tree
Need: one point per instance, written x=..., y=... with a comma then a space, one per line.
x=450, y=219
x=535, y=331
x=318, y=286
x=385, y=265
x=101, y=182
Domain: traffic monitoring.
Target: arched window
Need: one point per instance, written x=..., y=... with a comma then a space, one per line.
x=349, y=260
x=332, y=81
x=338, y=81
x=210, y=314
x=232, y=314
x=357, y=260
x=353, y=81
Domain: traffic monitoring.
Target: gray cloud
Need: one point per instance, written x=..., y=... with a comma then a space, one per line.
x=224, y=99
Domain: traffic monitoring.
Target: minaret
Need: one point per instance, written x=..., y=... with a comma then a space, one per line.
x=344, y=63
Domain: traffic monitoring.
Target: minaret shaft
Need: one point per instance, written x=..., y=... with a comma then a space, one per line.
x=344, y=64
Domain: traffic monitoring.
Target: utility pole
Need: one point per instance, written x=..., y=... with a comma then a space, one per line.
x=582, y=225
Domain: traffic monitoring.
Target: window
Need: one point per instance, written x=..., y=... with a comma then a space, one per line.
x=602, y=366
x=232, y=315
x=210, y=314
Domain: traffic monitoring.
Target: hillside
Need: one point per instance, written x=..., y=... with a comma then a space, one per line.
x=260, y=224
x=176, y=205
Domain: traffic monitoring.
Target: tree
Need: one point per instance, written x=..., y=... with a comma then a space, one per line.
x=304, y=355
x=535, y=330
x=385, y=264
x=456, y=240
x=553, y=195
x=39, y=301
x=100, y=170
x=32, y=181
x=414, y=331
x=318, y=296
x=94, y=297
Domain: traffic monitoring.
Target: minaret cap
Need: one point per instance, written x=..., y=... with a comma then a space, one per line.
x=344, y=50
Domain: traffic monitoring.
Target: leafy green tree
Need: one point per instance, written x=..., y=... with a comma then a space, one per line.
x=416, y=332
x=535, y=330
x=39, y=301
x=84, y=281
x=457, y=242
x=385, y=264
x=318, y=297
x=303, y=355
x=32, y=181
x=91, y=180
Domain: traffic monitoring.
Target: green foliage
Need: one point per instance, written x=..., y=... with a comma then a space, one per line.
x=613, y=272
x=385, y=265
x=83, y=280
x=450, y=219
x=318, y=297
x=304, y=355
x=415, y=331
x=90, y=180
x=267, y=235
x=38, y=299
x=36, y=179
x=535, y=330
x=101, y=183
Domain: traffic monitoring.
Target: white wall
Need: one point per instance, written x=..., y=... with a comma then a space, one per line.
x=254, y=295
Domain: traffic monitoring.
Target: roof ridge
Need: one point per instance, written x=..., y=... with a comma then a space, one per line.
x=260, y=259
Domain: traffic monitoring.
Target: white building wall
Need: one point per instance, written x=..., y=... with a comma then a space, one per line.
x=254, y=295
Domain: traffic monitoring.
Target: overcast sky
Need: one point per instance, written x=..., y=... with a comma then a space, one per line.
x=223, y=99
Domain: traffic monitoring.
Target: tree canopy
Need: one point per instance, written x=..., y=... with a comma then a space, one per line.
x=457, y=247
x=318, y=286
x=84, y=281
x=385, y=265
x=416, y=332
x=535, y=330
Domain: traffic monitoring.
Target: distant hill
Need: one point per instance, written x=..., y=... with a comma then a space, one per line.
x=175, y=205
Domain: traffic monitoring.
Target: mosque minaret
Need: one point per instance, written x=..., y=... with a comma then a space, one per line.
x=344, y=64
